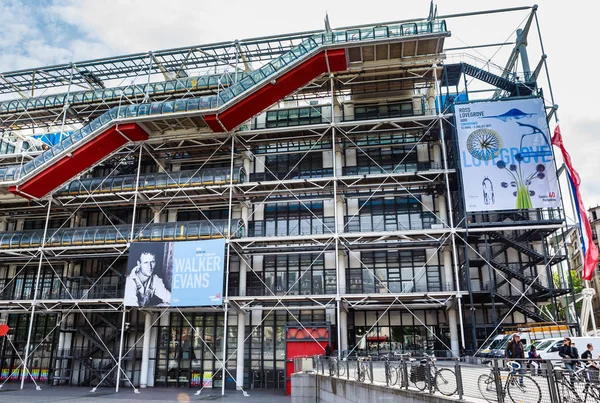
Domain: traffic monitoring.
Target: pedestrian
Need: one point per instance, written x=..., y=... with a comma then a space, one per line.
x=327, y=350
x=592, y=366
x=515, y=351
x=534, y=361
x=569, y=355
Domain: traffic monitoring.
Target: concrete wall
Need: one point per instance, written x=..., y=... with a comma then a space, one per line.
x=311, y=388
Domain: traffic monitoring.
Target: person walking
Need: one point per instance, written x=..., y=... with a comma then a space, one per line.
x=592, y=367
x=515, y=351
x=569, y=354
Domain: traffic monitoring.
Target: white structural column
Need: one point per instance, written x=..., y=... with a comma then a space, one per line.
x=172, y=215
x=3, y=224
x=146, y=350
x=157, y=216
x=343, y=322
x=59, y=362
x=452, y=324
x=241, y=316
x=243, y=261
x=448, y=277
x=246, y=162
x=338, y=160
x=239, y=370
x=339, y=219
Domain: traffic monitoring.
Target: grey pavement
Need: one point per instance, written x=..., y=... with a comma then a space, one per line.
x=11, y=394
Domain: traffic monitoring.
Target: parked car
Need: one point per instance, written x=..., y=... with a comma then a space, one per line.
x=548, y=348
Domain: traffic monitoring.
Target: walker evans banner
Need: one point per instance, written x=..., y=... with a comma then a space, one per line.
x=175, y=273
x=505, y=155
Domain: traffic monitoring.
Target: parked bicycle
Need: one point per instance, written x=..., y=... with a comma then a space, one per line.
x=427, y=375
x=363, y=369
x=576, y=387
x=337, y=367
x=519, y=387
x=395, y=374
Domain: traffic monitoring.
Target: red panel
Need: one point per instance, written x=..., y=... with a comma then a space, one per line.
x=82, y=158
x=289, y=370
x=3, y=330
x=213, y=123
x=296, y=348
x=283, y=86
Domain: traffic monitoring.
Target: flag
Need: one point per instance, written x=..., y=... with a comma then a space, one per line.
x=590, y=251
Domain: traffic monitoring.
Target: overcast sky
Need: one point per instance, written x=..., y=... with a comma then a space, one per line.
x=42, y=32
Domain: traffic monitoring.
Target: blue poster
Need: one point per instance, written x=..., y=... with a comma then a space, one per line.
x=197, y=274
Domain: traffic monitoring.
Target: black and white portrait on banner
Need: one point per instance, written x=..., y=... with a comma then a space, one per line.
x=149, y=273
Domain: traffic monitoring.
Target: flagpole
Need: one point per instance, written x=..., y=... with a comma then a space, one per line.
x=590, y=257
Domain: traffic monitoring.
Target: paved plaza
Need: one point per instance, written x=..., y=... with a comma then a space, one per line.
x=12, y=394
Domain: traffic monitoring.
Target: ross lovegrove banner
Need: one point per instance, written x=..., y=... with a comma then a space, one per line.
x=505, y=156
x=175, y=273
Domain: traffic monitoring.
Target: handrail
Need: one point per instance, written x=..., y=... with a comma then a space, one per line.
x=114, y=94
x=230, y=95
x=120, y=234
x=161, y=180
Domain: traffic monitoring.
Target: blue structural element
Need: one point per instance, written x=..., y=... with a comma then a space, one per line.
x=455, y=98
x=52, y=138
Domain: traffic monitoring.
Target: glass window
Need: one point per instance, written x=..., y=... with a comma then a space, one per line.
x=168, y=107
x=15, y=240
x=158, y=88
x=161, y=180
x=111, y=235
x=78, y=237
x=144, y=109
x=25, y=240
x=181, y=105
x=169, y=232
x=156, y=108
x=117, y=183
x=88, y=236
x=192, y=230
x=156, y=233
x=100, y=235
x=192, y=104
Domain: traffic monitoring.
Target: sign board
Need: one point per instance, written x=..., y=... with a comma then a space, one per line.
x=207, y=379
x=175, y=273
x=506, y=156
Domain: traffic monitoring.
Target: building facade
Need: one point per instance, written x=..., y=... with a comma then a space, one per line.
x=328, y=163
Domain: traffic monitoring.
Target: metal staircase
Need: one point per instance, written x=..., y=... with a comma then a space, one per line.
x=513, y=271
x=97, y=367
x=524, y=306
x=535, y=257
x=453, y=72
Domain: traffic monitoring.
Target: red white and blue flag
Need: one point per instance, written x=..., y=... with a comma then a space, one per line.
x=590, y=251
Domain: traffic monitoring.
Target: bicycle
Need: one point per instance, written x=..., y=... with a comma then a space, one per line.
x=392, y=372
x=580, y=390
x=443, y=380
x=395, y=372
x=362, y=369
x=519, y=387
x=336, y=367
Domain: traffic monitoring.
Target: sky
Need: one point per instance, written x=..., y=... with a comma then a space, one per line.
x=44, y=32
